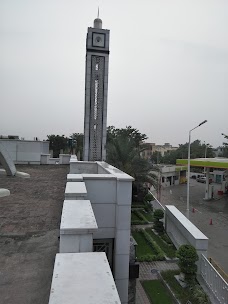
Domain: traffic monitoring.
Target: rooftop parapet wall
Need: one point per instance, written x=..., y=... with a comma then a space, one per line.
x=78, y=224
x=25, y=151
x=75, y=191
x=79, y=167
x=182, y=231
x=109, y=191
x=83, y=278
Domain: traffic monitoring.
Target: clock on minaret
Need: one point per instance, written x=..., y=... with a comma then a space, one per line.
x=96, y=91
x=99, y=40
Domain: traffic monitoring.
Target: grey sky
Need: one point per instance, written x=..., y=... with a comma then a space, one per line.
x=168, y=67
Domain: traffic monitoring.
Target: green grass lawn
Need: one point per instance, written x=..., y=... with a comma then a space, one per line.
x=139, y=204
x=143, y=248
x=170, y=251
x=182, y=294
x=134, y=217
x=166, y=238
x=157, y=292
x=148, y=216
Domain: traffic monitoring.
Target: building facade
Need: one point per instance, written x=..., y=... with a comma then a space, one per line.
x=150, y=148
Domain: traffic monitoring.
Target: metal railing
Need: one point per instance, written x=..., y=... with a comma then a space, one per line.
x=219, y=269
x=214, y=281
x=156, y=204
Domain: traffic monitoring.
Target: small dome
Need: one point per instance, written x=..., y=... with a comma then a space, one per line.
x=97, y=23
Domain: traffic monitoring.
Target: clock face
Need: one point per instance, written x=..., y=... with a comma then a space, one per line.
x=98, y=40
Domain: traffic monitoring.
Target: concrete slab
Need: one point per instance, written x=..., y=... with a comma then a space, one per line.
x=4, y=192
x=22, y=174
x=77, y=217
x=75, y=190
x=83, y=278
x=74, y=177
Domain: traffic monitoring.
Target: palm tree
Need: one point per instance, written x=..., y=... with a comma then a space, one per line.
x=125, y=155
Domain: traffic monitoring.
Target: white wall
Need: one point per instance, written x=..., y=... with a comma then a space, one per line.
x=182, y=231
x=25, y=151
x=109, y=191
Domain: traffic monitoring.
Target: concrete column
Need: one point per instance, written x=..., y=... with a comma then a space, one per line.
x=122, y=239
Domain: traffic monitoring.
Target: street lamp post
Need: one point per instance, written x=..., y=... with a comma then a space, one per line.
x=205, y=154
x=188, y=177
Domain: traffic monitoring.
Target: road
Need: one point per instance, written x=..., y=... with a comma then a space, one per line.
x=205, y=211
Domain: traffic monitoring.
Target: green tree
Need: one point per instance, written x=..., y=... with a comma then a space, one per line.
x=123, y=152
x=197, y=151
x=131, y=133
x=225, y=147
x=187, y=257
x=78, y=139
x=156, y=157
x=56, y=143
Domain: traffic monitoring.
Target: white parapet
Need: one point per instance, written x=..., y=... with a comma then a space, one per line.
x=83, y=278
x=74, y=177
x=182, y=231
x=75, y=191
x=77, y=226
x=109, y=191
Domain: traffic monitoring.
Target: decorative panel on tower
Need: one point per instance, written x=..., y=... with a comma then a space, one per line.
x=96, y=89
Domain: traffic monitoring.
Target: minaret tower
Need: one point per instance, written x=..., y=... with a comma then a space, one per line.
x=96, y=91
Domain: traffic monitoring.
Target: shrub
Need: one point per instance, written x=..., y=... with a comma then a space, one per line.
x=159, y=227
x=158, y=214
x=160, y=254
x=150, y=258
x=148, y=207
x=138, y=222
x=187, y=257
x=148, y=197
x=200, y=296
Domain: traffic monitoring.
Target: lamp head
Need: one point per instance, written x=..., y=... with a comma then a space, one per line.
x=203, y=122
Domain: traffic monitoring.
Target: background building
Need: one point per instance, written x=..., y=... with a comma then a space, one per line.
x=150, y=148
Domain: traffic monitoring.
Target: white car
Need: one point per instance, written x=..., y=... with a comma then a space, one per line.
x=201, y=179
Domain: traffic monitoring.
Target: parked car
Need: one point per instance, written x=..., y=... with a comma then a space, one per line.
x=202, y=179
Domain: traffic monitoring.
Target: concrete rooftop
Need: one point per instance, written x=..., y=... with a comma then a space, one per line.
x=29, y=231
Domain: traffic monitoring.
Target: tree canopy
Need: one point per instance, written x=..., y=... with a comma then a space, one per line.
x=123, y=152
x=129, y=133
x=197, y=150
x=225, y=147
x=57, y=143
x=78, y=139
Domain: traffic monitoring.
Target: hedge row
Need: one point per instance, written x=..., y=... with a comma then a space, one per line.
x=160, y=256
x=141, y=216
x=139, y=222
x=137, y=207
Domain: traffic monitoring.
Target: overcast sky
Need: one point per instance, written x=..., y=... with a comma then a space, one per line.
x=168, y=67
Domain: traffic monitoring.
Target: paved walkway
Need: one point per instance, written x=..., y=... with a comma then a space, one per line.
x=145, y=273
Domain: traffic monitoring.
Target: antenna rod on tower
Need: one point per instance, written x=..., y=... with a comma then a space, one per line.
x=98, y=12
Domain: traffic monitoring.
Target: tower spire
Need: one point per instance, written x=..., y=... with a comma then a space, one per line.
x=97, y=23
